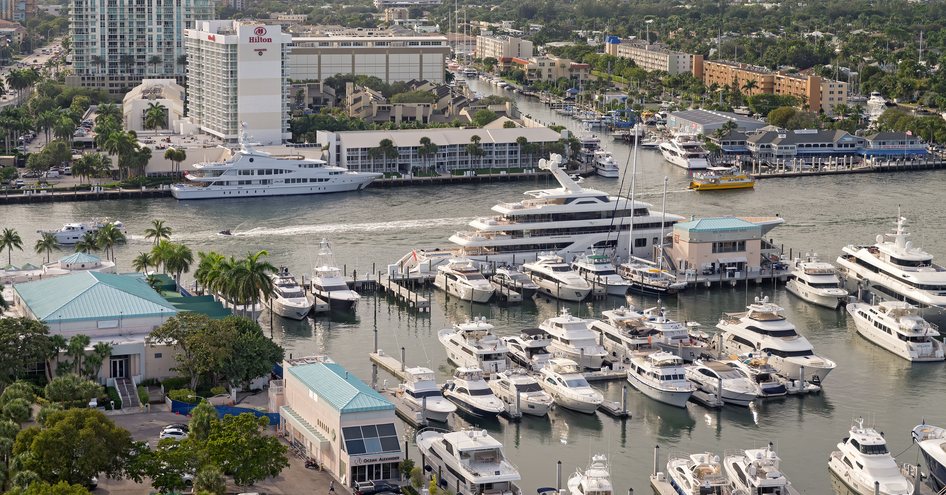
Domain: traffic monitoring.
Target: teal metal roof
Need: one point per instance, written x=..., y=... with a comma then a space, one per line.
x=716, y=224
x=80, y=258
x=345, y=392
x=92, y=296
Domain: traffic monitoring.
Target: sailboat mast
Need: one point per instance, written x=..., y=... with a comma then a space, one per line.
x=630, y=233
x=663, y=217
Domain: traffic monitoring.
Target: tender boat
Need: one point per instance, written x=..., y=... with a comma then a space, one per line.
x=867, y=450
x=529, y=349
x=461, y=278
x=599, y=271
x=473, y=345
x=763, y=376
x=327, y=281
x=555, y=278
x=563, y=380
x=718, y=178
x=468, y=461
x=645, y=277
x=898, y=327
x=816, y=282
x=422, y=391
x=757, y=471
x=572, y=339
x=932, y=443
x=660, y=376
x=605, y=165
x=685, y=152
x=513, y=279
x=764, y=330
x=594, y=480
x=898, y=270
x=289, y=300
x=533, y=400
x=726, y=382
x=472, y=395
x=697, y=474
x=71, y=233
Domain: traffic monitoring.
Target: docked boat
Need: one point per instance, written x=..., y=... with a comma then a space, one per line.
x=757, y=471
x=876, y=105
x=816, y=282
x=71, y=233
x=288, y=300
x=932, y=443
x=697, y=474
x=327, y=282
x=510, y=278
x=249, y=172
x=720, y=178
x=672, y=336
x=529, y=349
x=605, y=166
x=764, y=330
x=532, y=399
x=462, y=279
x=898, y=327
x=600, y=272
x=649, y=143
x=645, y=277
x=563, y=380
x=724, y=381
x=866, y=449
x=555, y=278
x=421, y=391
x=686, y=152
x=473, y=345
x=764, y=377
x=623, y=332
x=472, y=395
x=469, y=462
x=896, y=269
x=593, y=480
x=660, y=376
x=572, y=339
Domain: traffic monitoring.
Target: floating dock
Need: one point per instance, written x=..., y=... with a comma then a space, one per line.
x=405, y=410
x=706, y=399
x=409, y=297
x=840, y=167
x=505, y=294
x=388, y=363
x=660, y=485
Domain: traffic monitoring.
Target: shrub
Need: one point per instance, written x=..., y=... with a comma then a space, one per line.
x=218, y=390
x=143, y=395
x=115, y=398
x=176, y=382
x=183, y=395
x=408, y=490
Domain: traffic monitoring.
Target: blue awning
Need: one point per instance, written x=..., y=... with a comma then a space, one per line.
x=735, y=149
x=870, y=152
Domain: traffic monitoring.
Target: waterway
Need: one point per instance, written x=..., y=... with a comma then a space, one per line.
x=375, y=227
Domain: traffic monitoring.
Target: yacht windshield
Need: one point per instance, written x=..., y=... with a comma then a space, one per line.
x=529, y=387
x=560, y=268
x=420, y=394
x=827, y=285
x=333, y=288
x=873, y=449
x=576, y=382
x=480, y=391
x=786, y=332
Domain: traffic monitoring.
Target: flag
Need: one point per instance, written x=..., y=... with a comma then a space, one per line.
x=414, y=254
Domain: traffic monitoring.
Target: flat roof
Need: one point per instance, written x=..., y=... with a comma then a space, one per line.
x=704, y=117
x=715, y=224
x=344, y=391
x=445, y=136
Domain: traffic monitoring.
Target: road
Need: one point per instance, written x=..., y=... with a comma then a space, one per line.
x=38, y=59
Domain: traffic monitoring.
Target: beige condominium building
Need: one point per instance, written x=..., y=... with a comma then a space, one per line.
x=237, y=72
x=652, y=56
x=388, y=57
x=551, y=68
x=503, y=47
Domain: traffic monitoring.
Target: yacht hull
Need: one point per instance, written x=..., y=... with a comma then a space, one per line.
x=590, y=361
x=672, y=398
x=336, y=301
x=563, y=292
x=893, y=344
x=937, y=471
x=347, y=184
x=843, y=475
x=826, y=300
x=609, y=173
x=289, y=310
x=574, y=404
x=527, y=405
x=885, y=288
x=472, y=409
x=814, y=369
x=439, y=415
x=464, y=292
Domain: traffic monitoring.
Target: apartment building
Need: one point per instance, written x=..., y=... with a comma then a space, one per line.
x=502, y=47
x=387, y=56
x=237, y=72
x=817, y=93
x=17, y=10
x=551, y=68
x=652, y=56
x=383, y=4
x=116, y=45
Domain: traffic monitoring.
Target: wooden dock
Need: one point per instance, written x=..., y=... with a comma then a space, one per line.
x=706, y=399
x=406, y=411
x=660, y=485
x=409, y=297
x=869, y=167
x=388, y=363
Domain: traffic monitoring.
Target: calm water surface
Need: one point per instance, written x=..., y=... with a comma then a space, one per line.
x=377, y=226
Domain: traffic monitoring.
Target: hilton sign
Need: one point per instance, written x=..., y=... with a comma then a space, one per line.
x=259, y=36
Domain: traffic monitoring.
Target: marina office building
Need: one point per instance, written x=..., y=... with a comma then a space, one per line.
x=653, y=56
x=338, y=420
x=727, y=247
x=237, y=72
x=387, y=56
x=352, y=149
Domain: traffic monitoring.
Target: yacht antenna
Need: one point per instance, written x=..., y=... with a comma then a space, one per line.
x=630, y=233
x=663, y=216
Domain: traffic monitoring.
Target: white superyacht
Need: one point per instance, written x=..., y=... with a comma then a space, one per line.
x=518, y=388
x=422, y=391
x=757, y=471
x=594, y=480
x=660, y=376
x=867, y=449
x=563, y=380
x=816, y=282
x=897, y=327
x=598, y=269
x=470, y=461
x=250, y=172
x=461, y=278
x=685, y=152
x=288, y=300
x=555, y=278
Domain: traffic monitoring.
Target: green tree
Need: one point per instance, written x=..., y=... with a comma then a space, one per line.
x=44, y=488
x=484, y=116
x=414, y=97
x=210, y=480
x=252, y=355
x=175, y=156
x=169, y=462
x=177, y=260
x=107, y=237
x=46, y=244
x=10, y=239
x=242, y=449
x=141, y=263
x=75, y=351
x=23, y=343
x=89, y=243
x=199, y=351
x=203, y=421
x=156, y=117
x=386, y=150
x=474, y=149
x=108, y=111
x=426, y=150
x=18, y=410
x=71, y=390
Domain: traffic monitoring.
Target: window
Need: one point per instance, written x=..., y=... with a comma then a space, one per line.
x=371, y=439
x=157, y=355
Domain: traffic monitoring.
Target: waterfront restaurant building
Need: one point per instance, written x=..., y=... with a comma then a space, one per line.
x=723, y=247
x=338, y=420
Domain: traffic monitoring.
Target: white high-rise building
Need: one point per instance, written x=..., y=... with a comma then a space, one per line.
x=237, y=71
x=117, y=44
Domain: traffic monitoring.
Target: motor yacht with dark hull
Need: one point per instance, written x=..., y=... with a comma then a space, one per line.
x=932, y=443
x=472, y=395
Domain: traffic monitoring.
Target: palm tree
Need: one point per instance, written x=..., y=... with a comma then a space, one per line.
x=57, y=344
x=101, y=351
x=46, y=244
x=427, y=149
x=208, y=270
x=153, y=61
x=178, y=261
x=8, y=240
x=160, y=254
x=386, y=150
x=750, y=85
x=175, y=156
x=64, y=128
x=123, y=144
x=45, y=122
x=252, y=281
x=141, y=262
x=88, y=243
x=156, y=117
x=158, y=231
x=75, y=349
x=107, y=237
x=108, y=111
x=474, y=148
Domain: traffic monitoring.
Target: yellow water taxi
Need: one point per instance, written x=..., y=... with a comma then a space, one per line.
x=721, y=178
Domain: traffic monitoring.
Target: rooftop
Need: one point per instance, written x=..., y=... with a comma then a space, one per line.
x=92, y=296
x=345, y=392
x=80, y=257
x=445, y=136
x=704, y=117
x=715, y=224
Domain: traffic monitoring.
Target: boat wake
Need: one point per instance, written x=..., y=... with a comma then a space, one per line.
x=334, y=228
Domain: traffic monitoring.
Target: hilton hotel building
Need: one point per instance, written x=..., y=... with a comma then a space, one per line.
x=238, y=72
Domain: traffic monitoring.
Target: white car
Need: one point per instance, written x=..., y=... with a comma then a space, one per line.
x=173, y=433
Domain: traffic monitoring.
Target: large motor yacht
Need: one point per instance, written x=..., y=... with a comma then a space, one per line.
x=71, y=233
x=757, y=471
x=932, y=443
x=728, y=383
x=672, y=336
x=563, y=380
x=645, y=277
x=289, y=300
x=470, y=462
x=594, y=480
x=685, y=152
x=572, y=339
x=623, y=332
x=862, y=459
x=598, y=269
x=421, y=390
x=510, y=278
x=896, y=269
x=461, y=278
x=472, y=344
x=897, y=327
x=555, y=278
x=763, y=375
x=605, y=166
x=250, y=172
x=660, y=376
x=517, y=388
x=763, y=329
x=472, y=395
x=697, y=474
x=816, y=282
x=529, y=349
x=327, y=281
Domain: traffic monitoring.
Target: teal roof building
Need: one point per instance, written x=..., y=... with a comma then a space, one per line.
x=342, y=390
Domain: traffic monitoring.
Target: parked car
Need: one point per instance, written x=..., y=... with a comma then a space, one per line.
x=178, y=426
x=173, y=433
x=375, y=487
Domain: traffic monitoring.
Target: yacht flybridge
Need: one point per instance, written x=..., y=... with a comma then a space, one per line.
x=866, y=449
